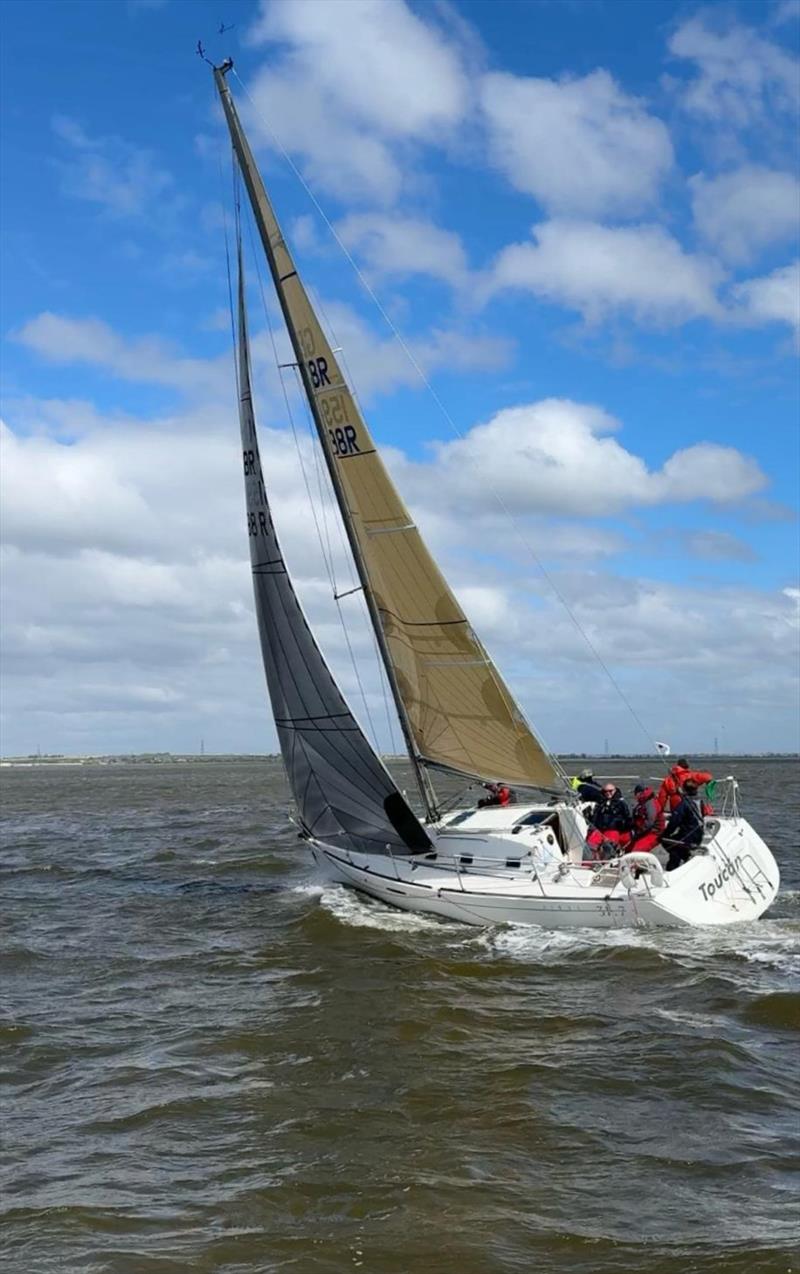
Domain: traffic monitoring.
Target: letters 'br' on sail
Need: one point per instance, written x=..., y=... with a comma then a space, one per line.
x=459, y=711
x=344, y=794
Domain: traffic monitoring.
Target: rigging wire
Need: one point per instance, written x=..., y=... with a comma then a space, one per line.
x=230, y=284
x=289, y=412
x=382, y=675
x=327, y=557
x=449, y=419
x=337, y=596
x=235, y=182
x=325, y=491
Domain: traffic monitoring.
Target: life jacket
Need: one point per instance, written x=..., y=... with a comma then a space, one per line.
x=499, y=794
x=669, y=794
x=588, y=791
x=647, y=814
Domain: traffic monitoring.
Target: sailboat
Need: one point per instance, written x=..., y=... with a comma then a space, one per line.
x=520, y=863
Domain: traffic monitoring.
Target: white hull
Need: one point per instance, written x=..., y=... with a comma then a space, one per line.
x=512, y=873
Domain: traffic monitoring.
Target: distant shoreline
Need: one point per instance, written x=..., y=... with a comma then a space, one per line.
x=184, y=758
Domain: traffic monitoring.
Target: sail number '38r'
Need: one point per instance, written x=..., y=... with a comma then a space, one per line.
x=333, y=406
x=342, y=435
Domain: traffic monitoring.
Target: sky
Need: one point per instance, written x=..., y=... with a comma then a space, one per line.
x=581, y=216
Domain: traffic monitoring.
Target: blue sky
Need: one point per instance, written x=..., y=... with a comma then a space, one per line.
x=582, y=216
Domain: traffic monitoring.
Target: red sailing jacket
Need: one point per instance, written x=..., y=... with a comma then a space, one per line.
x=499, y=794
x=669, y=794
x=647, y=814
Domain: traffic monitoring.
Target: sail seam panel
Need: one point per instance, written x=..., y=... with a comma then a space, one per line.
x=364, y=775
x=365, y=781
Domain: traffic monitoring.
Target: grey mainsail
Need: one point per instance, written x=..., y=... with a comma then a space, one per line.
x=344, y=794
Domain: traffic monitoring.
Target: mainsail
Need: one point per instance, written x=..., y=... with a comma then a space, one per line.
x=455, y=708
x=344, y=794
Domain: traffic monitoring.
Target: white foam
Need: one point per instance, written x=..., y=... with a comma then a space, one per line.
x=553, y=944
x=773, y=943
x=698, y=1021
x=364, y=913
x=311, y=889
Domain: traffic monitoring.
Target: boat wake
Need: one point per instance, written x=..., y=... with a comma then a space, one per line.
x=772, y=944
x=360, y=912
x=775, y=944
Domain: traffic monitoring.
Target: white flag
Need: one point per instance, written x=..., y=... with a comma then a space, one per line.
x=663, y=748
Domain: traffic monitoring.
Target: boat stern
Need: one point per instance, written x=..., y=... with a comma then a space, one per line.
x=734, y=878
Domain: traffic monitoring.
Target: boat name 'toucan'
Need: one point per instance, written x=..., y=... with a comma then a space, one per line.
x=730, y=869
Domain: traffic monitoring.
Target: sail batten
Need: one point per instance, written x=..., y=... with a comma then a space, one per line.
x=454, y=707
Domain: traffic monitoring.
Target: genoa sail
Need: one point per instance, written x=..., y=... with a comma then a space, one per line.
x=344, y=794
x=454, y=705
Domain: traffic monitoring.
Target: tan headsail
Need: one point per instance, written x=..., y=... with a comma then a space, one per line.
x=454, y=704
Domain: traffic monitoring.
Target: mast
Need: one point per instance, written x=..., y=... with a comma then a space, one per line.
x=262, y=210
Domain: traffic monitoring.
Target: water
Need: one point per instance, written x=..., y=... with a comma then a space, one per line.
x=213, y=1063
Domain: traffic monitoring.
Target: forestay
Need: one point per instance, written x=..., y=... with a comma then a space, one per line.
x=344, y=794
x=457, y=708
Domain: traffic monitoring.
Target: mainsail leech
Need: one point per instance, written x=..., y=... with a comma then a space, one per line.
x=454, y=706
x=344, y=794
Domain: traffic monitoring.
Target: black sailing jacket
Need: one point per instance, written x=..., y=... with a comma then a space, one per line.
x=686, y=821
x=611, y=816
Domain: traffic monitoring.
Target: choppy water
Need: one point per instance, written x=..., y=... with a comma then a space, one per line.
x=211, y=1063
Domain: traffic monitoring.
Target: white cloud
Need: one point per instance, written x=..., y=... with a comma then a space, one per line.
x=132, y=578
x=304, y=235
x=393, y=245
x=124, y=179
x=92, y=342
x=707, y=471
x=775, y=298
x=377, y=365
x=128, y=603
x=598, y=269
x=739, y=213
x=787, y=11
x=559, y=457
x=694, y=633
x=579, y=146
x=716, y=546
x=391, y=45
x=89, y=499
x=353, y=78
x=740, y=78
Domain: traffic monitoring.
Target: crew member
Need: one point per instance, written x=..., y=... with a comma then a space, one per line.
x=587, y=787
x=669, y=794
x=647, y=820
x=684, y=831
x=499, y=794
x=609, y=824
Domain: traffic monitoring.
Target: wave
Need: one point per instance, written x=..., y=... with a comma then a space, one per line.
x=360, y=912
